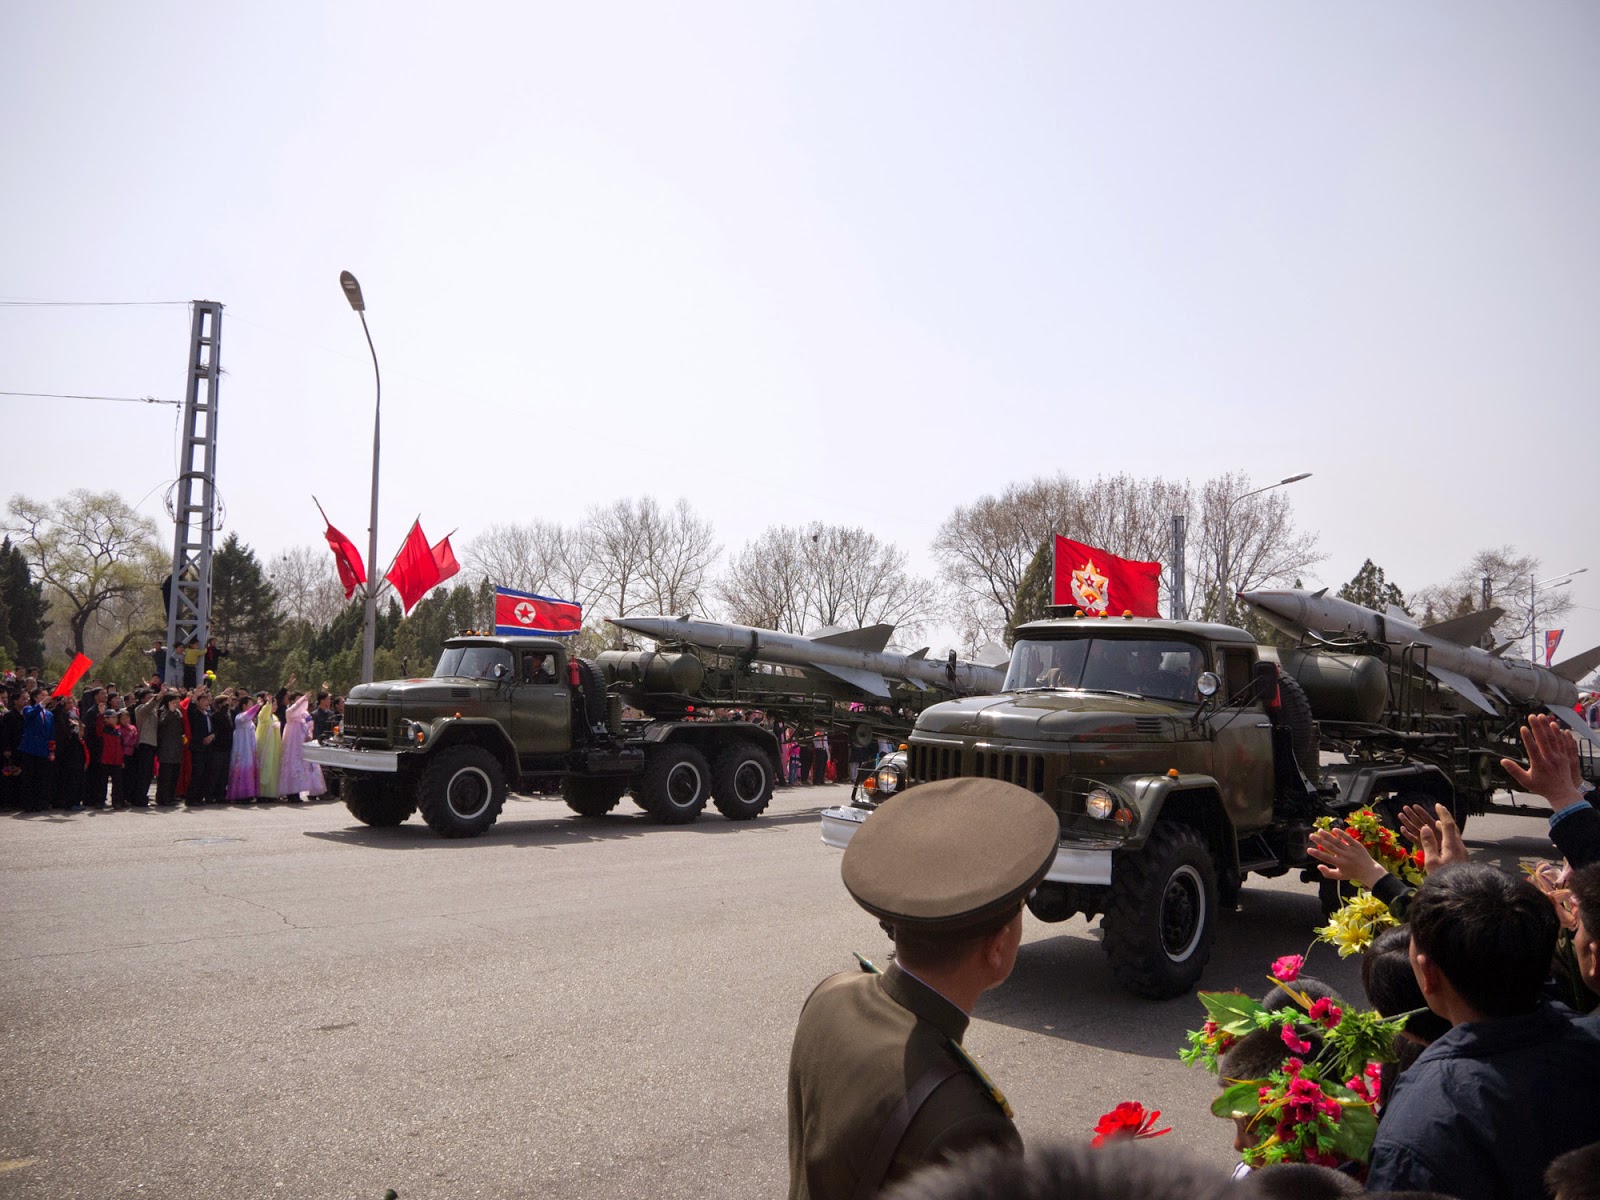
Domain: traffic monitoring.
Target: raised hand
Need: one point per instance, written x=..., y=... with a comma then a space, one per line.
x=1441, y=841
x=1341, y=857
x=1552, y=770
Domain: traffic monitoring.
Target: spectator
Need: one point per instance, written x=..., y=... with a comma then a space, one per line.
x=221, y=755
x=1481, y=944
x=1575, y=1175
x=213, y=656
x=243, y=782
x=33, y=753
x=111, y=758
x=201, y=738
x=11, y=722
x=192, y=654
x=169, y=749
x=1585, y=887
x=142, y=773
x=72, y=756
x=1553, y=771
x=1066, y=1172
x=92, y=718
x=129, y=734
x=322, y=718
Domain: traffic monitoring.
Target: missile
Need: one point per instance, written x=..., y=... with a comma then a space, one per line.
x=1452, y=657
x=857, y=656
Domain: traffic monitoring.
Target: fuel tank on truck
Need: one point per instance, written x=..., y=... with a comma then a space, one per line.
x=669, y=673
x=1340, y=687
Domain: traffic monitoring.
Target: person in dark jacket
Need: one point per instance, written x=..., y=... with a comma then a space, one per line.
x=202, y=736
x=216, y=789
x=91, y=716
x=71, y=755
x=1553, y=772
x=170, y=729
x=1488, y=1106
x=10, y=739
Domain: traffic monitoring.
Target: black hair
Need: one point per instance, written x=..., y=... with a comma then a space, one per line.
x=1313, y=988
x=1302, y=1181
x=1260, y=1052
x=1489, y=934
x=1391, y=984
x=1062, y=1171
x=938, y=949
x=1575, y=1175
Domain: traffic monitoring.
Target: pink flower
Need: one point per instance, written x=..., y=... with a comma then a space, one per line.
x=1287, y=969
x=1326, y=1012
x=1295, y=1043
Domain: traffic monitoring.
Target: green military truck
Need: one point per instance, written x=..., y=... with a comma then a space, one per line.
x=1180, y=760
x=502, y=713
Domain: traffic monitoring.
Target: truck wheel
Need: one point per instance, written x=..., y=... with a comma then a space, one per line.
x=676, y=781
x=1294, y=710
x=594, y=691
x=1161, y=916
x=378, y=802
x=462, y=791
x=592, y=797
x=741, y=783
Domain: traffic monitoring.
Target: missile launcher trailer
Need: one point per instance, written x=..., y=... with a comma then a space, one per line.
x=1180, y=760
x=501, y=713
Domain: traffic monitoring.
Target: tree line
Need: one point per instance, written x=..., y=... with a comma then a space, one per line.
x=82, y=574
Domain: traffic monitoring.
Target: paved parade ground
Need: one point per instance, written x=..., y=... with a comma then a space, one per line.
x=280, y=1001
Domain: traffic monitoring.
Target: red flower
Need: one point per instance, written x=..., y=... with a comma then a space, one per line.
x=1127, y=1120
x=1298, y=1044
x=1326, y=1012
x=1287, y=969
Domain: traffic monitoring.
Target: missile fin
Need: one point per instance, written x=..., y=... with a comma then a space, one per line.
x=1572, y=721
x=1465, y=631
x=1579, y=665
x=1462, y=686
x=872, y=638
x=1395, y=613
x=1501, y=648
x=869, y=682
x=1319, y=593
x=992, y=654
x=918, y=655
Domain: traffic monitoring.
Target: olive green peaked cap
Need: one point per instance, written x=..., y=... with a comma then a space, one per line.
x=950, y=855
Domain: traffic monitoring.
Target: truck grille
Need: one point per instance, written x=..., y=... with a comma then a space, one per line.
x=928, y=763
x=366, y=723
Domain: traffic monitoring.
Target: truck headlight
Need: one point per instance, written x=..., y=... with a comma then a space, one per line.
x=1100, y=804
x=416, y=732
x=888, y=781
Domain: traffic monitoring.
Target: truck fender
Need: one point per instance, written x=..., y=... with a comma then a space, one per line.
x=1358, y=785
x=1193, y=800
x=491, y=735
x=710, y=736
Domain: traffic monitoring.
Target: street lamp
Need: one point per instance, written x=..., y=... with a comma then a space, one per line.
x=1533, y=593
x=1227, y=515
x=369, y=631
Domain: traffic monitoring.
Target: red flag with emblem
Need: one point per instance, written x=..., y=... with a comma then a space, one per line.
x=529, y=613
x=415, y=570
x=1099, y=583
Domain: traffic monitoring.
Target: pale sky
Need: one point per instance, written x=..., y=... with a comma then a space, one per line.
x=848, y=262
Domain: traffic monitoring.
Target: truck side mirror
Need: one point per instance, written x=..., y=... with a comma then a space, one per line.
x=1264, y=683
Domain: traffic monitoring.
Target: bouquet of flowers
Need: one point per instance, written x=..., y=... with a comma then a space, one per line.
x=1382, y=843
x=1317, y=1106
x=1352, y=927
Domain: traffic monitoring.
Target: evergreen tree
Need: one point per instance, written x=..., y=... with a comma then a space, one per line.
x=1371, y=589
x=1034, y=591
x=22, y=608
x=244, y=614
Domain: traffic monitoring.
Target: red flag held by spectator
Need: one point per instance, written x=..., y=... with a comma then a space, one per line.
x=414, y=570
x=445, y=559
x=79, y=668
x=1099, y=583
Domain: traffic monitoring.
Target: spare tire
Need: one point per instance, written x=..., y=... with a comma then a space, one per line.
x=1294, y=713
x=593, y=685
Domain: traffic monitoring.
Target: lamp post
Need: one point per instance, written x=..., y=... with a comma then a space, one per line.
x=1227, y=515
x=369, y=630
x=1533, y=594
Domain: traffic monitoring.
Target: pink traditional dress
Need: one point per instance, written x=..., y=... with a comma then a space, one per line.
x=243, y=783
x=295, y=774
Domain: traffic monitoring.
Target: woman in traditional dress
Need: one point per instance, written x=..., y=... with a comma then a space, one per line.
x=295, y=774
x=269, y=749
x=243, y=783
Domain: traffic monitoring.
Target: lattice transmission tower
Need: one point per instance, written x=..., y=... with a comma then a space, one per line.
x=194, y=506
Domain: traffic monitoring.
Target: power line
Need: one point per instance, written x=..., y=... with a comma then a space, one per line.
x=91, y=303
x=75, y=396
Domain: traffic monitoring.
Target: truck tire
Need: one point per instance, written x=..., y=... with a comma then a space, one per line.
x=1161, y=915
x=380, y=803
x=741, y=782
x=462, y=791
x=677, y=780
x=593, y=686
x=1294, y=711
x=592, y=797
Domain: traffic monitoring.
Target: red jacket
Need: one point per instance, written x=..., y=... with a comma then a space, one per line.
x=110, y=747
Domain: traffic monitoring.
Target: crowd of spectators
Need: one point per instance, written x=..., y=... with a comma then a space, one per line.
x=100, y=745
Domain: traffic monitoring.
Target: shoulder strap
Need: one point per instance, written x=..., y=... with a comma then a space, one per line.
x=877, y=1165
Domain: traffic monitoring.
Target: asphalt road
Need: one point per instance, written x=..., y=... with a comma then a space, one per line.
x=280, y=1001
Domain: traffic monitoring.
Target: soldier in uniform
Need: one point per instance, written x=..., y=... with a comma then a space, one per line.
x=879, y=1084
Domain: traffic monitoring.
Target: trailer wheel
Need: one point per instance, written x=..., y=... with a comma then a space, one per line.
x=380, y=803
x=741, y=782
x=462, y=791
x=675, y=785
x=1161, y=915
x=592, y=797
x=593, y=686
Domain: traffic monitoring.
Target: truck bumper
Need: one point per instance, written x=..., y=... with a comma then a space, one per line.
x=1073, y=864
x=344, y=759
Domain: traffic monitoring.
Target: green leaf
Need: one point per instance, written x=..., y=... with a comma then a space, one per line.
x=1234, y=1012
x=1240, y=1100
x=1357, y=1128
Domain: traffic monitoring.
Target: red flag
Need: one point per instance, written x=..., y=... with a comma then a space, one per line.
x=1552, y=639
x=445, y=559
x=79, y=668
x=529, y=613
x=348, y=559
x=414, y=570
x=1101, y=583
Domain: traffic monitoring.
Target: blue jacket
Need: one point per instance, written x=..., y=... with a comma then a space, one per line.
x=1484, y=1110
x=37, y=724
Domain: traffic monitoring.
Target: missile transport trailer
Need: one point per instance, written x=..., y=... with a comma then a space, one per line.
x=1180, y=760
x=501, y=713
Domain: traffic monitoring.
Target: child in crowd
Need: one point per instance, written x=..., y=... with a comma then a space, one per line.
x=111, y=761
x=129, y=733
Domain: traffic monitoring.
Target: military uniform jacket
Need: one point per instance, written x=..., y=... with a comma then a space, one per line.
x=862, y=1044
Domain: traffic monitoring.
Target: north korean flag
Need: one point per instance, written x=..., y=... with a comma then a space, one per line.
x=526, y=613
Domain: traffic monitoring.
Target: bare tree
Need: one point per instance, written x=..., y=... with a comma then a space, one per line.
x=680, y=547
x=306, y=585
x=1510, y=577
x=520, y=556
x=1252, y=538
x=764, y=584
x=619, y=552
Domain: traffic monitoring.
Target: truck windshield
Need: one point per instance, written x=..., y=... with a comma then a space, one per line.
x=472, y=662
x=1164, y=670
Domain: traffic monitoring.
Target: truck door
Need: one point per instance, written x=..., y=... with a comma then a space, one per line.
x=1241, y=759
x=541, y=710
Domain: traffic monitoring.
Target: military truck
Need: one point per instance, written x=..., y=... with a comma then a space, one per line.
x=502, y=712
x=1180, y=760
